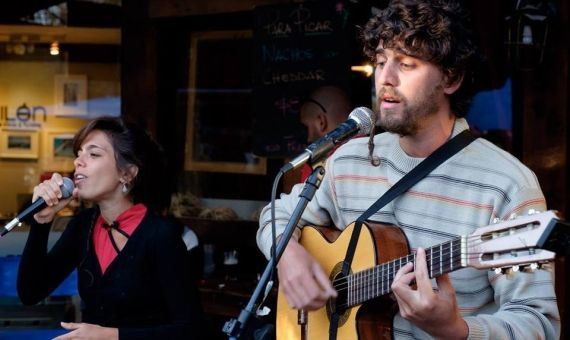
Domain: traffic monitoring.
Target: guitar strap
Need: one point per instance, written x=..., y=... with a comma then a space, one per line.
x=437, y=157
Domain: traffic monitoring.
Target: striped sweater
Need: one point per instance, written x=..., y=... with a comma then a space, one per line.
x=467, y=191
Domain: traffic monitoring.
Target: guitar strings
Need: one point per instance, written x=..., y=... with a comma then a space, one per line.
x=384, y=273
x=363, y=293
x=385, y=270
x=361, y=283
x=361, y=280
x=403, y=258
x=440, y=249
x=362, y=290
x=438, y=266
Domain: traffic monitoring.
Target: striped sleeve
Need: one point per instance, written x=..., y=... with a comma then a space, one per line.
x=316, y=212
x=527, y=309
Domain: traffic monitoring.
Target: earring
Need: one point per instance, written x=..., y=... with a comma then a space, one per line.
x=125, y=188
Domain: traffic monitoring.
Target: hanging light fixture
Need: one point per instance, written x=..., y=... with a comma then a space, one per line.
x=527, y=32
x=54, y=48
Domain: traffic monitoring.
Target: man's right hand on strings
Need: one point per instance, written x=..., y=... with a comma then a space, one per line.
x=303, y=280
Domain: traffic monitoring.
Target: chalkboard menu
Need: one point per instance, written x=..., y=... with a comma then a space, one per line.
x=298, y=47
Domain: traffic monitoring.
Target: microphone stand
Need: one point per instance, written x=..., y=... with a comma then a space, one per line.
x=234, y=328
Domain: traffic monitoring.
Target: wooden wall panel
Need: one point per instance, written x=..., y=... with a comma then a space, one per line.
x=178, y=8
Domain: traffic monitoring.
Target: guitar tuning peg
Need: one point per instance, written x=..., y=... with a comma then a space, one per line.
x=532, y=267
x=533, y=212
x=516, y=268
x=495, y=220
x=512, y=216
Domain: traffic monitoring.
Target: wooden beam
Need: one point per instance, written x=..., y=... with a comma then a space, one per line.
x=178, y=8
x=63, y=34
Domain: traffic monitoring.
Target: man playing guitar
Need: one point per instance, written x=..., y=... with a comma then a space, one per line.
x=424, y=56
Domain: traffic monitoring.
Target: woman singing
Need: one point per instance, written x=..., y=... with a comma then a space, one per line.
x=131, y=273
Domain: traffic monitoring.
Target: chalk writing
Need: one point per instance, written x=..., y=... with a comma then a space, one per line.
x=293, y=145
x=284, y=29
x=300, y=46
x=280, y=29
x=274, y=53
x=292, y=77
x=287, y=106
x=301, y=20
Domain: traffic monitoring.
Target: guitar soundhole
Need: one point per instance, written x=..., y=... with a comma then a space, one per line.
x=339, y=305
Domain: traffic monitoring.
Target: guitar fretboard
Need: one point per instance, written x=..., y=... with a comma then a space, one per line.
x=376, y=281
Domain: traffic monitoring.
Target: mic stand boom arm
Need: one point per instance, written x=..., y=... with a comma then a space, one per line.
x=234, y=328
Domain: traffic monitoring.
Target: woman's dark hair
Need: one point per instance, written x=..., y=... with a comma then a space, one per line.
x=133, y=146
x=433, y=30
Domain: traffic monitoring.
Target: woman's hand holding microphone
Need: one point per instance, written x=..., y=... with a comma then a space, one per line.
x=57, y=192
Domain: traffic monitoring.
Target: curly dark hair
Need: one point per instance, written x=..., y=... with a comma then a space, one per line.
x=133, y=146
x=437, y=31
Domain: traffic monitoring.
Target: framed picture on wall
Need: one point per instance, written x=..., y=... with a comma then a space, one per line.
x=219, y=131
x=20, y=144
x=70, y=95
x=58, y=151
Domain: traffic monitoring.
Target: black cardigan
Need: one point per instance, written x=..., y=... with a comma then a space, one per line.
x=145, y=292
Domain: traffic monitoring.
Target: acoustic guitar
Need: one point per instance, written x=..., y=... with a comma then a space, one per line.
x=366, y=311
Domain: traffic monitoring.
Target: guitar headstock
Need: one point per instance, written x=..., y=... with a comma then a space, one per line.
x=512, y=243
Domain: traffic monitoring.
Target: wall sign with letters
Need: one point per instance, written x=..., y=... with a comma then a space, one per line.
x=24, y=117
x=298, y=47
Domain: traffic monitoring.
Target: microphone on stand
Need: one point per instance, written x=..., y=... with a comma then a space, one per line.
x=66, y=191
x=359, y=121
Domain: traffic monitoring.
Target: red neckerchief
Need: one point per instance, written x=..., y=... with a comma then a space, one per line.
x=126, y=223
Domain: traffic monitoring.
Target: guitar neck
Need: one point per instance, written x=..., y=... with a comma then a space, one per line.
x=376, y=281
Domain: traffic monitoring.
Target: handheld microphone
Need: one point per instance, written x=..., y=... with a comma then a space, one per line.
x=359, y=121
x=66, y=191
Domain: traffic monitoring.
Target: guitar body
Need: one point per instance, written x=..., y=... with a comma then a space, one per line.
x=363, y=305
x=377, y=243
